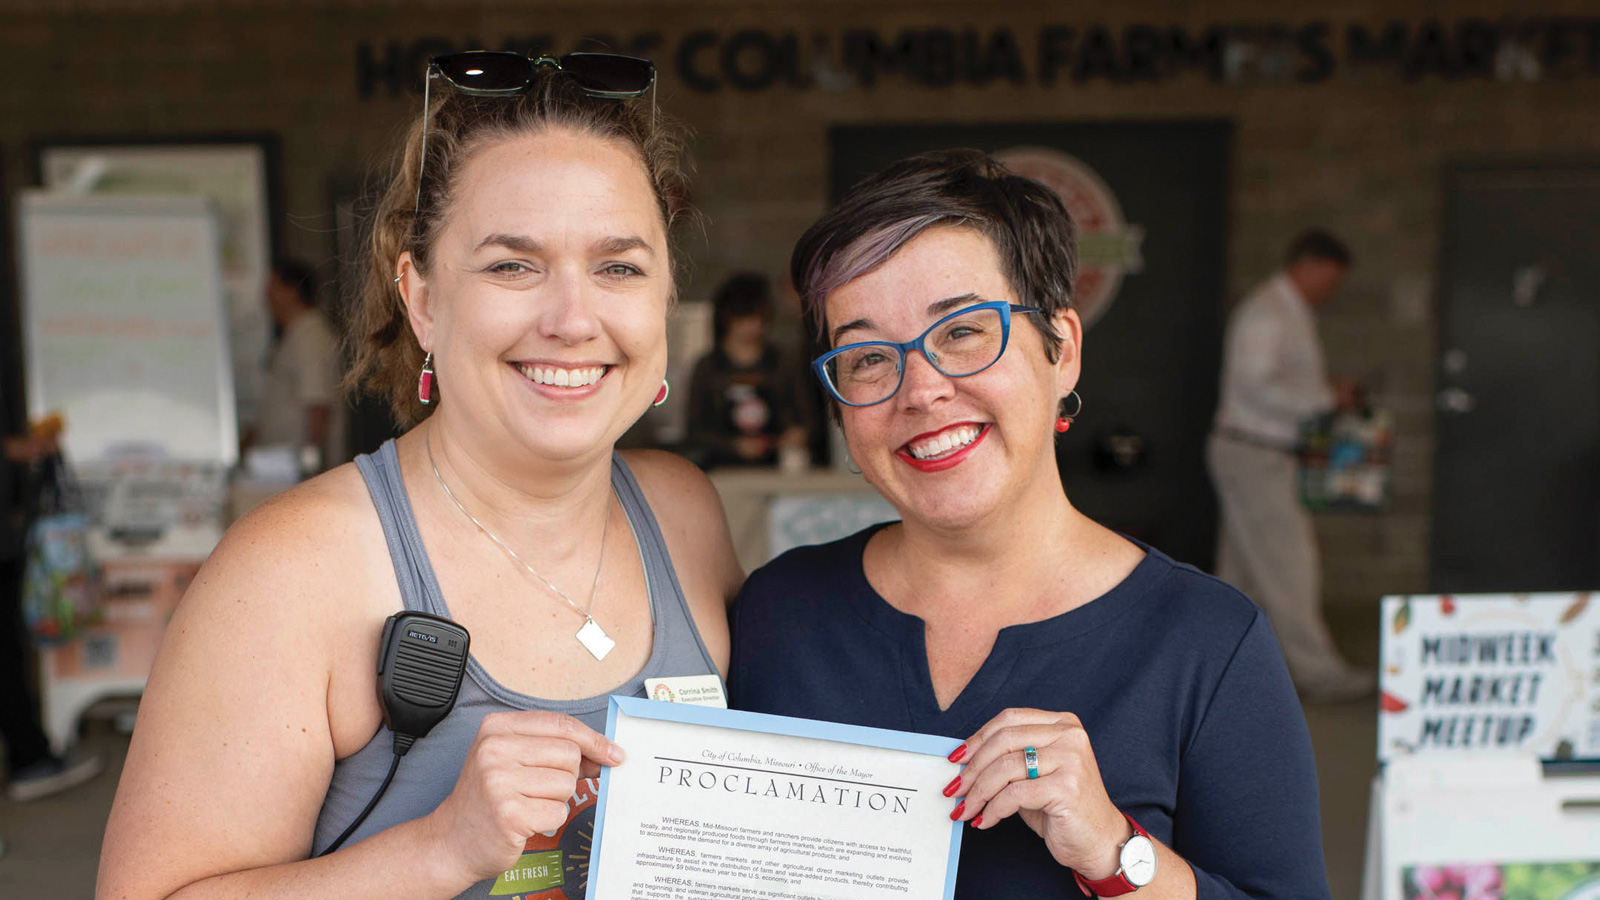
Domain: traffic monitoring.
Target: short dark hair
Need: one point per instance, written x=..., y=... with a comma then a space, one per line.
x=299, y=276
x=1031, y=231
x=742, y=294
x=1317, y=243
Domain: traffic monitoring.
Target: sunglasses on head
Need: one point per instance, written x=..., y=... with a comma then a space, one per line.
x=495, y=72
x=501, y=73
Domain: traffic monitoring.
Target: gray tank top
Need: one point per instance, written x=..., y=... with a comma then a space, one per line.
x=554, y=866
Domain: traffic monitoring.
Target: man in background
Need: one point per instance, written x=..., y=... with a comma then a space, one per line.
x=299, y=402
x=1274, y=378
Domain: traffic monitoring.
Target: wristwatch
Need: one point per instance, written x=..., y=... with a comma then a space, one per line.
x=1136, y=868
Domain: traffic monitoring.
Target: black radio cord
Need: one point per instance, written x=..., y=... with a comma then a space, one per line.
x=402, y=743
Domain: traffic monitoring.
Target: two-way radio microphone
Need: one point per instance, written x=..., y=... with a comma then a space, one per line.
x=421, y=661
x=419, y=673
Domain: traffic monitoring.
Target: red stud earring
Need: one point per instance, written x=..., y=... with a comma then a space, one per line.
x=425, y=381
x=661, y=395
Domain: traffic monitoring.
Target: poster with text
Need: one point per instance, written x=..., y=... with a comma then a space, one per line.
x=235, y=176
x=1499, y=672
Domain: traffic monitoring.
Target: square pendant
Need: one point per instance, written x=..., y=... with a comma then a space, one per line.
x=595, y=640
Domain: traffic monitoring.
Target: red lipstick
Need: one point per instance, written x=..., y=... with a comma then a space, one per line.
x=943, y=462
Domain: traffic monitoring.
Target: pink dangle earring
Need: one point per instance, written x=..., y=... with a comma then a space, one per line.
x=425, y=380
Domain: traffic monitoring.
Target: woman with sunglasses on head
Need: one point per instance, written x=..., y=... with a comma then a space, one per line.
x=515, y=315
x=1129, y=725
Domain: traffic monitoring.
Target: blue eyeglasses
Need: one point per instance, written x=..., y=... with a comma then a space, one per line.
x=963, y=343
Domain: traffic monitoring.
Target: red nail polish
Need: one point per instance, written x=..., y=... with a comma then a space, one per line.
x=950, y=789
x=977, y=821
x=956, y=813
x=957, y=754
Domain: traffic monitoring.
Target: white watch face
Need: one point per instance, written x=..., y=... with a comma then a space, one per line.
x=1139, y=861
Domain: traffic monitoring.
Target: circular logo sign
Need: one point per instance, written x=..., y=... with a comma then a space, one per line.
x=1108, y=247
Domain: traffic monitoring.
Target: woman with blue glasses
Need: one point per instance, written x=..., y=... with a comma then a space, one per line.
x=1129, y=724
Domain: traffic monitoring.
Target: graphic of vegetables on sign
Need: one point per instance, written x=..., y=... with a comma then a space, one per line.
x=1509, y=881
x=1389, y=702
x=1579, y=604
x=1457, y=882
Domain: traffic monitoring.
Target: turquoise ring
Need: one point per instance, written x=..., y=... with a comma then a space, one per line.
x=1031, y=757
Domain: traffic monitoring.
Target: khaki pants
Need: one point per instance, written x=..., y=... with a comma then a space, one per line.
x=1268, y=549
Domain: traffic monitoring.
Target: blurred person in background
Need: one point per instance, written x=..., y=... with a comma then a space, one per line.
x=299, y=405
x=1274, y=379
x=32, y=770
x=1129, y=724
x=514, y=313
x=746, y=398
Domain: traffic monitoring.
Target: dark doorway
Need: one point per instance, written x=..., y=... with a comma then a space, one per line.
x=1134, y=460
x=1517, y=469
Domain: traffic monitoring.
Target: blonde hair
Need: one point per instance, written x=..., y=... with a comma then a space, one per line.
x=385, y=358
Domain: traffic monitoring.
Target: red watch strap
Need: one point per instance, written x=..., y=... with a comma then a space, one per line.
x=1118, y=884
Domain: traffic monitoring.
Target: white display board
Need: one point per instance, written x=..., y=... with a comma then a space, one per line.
x=1482, y=827
x=235, y=176
x=124, y=325
x=1476, y=690
x=1496, y=672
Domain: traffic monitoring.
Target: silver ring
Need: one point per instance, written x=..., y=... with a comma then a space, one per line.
x=1031, y=757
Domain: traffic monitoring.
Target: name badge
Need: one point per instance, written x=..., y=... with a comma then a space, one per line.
x=695, y=690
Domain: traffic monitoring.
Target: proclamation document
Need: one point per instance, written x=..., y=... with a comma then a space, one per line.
x=716, y=804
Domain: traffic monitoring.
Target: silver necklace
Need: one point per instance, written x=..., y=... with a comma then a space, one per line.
x=593, y=638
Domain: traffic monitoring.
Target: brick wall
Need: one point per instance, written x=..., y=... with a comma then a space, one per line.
x=1361, y=151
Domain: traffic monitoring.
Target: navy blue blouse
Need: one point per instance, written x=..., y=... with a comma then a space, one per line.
x=1175, y=675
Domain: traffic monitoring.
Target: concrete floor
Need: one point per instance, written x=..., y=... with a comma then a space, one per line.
x=52, y=846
